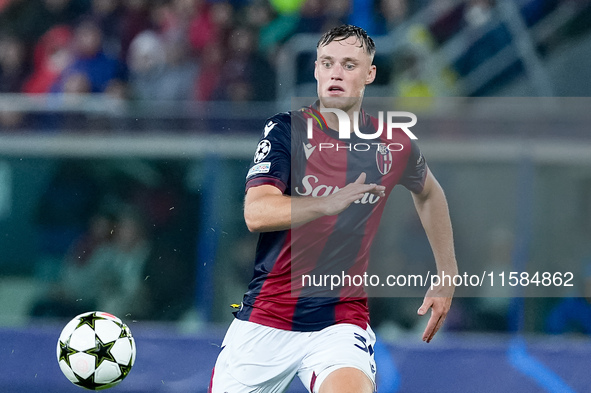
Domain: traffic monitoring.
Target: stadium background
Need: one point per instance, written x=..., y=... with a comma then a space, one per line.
x=126, y=132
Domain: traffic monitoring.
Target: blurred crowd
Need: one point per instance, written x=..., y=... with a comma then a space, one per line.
x=212, y=49
x=141, y=49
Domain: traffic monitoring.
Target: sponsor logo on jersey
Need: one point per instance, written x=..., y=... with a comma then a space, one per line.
x=263, y=150
x=308, y=149
x=383, y=159
x=313, y=189
x=263, y=167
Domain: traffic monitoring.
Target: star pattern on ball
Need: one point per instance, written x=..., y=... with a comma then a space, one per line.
x=89, y=320
x=125, y=332
x=65, y=351
x=102, y=352
x=87, y=383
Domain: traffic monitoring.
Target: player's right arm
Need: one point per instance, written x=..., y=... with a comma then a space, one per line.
x=267, y=209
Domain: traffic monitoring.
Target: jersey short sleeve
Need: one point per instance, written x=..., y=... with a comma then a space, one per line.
x=271, y=163
x=416, y=170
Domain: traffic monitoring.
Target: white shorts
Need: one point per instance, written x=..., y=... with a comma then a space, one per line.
x=261, y=359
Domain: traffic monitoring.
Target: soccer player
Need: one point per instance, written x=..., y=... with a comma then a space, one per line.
x=317, y=210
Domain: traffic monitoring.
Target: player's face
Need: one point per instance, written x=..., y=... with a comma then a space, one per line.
x=343, y=69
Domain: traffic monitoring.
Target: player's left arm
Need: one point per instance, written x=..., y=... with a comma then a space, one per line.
x=433, y=211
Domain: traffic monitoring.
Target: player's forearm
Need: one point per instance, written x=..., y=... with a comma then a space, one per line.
x=266, y=209
x=280, y=212
x=434, y=214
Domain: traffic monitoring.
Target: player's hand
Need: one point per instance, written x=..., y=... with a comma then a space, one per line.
x=439, y=301
x=340, y=200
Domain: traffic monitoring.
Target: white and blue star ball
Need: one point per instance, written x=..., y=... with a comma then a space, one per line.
x=96, y=350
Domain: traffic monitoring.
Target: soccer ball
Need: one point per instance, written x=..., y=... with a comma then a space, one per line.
x=96, y=350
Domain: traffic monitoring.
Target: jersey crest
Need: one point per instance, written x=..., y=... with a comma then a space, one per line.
x=384, y=159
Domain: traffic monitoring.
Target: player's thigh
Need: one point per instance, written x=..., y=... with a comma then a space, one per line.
x=255, y=358
x=344, y=349
x=346, y=380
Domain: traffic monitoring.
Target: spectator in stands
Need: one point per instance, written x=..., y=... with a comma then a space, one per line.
x=160, y=70
x=390, y=14
x=273, y=28
x=135, y=18
x=77, y=289
x=336, y=13
x=77, y=83
x=13, y=71
x=13, y=67
x=146, y=61
x=224, y=20
x=125, y=258
x=164, y=19
x=90, y=60
x=312, y=17
x=211, y=22
x=209, y=77
x=259, y=14
x=99, y=233
x=108, y=15
x=181, y=70
x=51, y=57
x=246, y=75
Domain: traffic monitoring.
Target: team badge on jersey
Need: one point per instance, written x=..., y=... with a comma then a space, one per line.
x=263, y=150
x=384, y=159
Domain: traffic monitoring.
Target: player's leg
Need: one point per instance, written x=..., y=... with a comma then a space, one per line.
x=339, y=359
x=347, y=380
x=255, y=359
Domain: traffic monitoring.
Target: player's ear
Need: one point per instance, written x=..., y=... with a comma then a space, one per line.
x=316, y=69
x=371, y=75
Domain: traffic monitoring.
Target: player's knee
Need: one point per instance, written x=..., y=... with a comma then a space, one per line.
x=346, y=380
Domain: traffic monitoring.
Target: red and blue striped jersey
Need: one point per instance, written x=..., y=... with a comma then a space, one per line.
x=319, y=166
